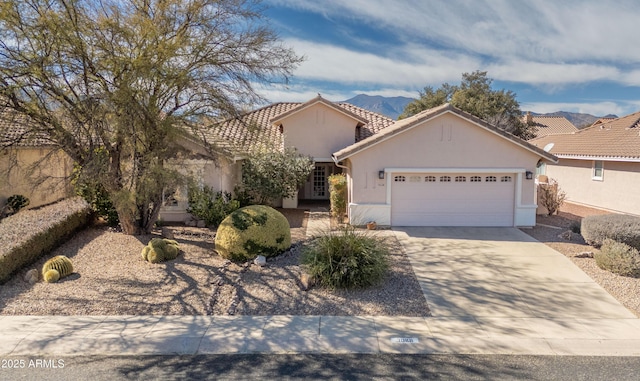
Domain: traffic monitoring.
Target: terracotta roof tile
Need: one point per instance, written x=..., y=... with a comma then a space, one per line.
x=256, y=127
x=618, y=138
x=548, y=125
x=15, y=131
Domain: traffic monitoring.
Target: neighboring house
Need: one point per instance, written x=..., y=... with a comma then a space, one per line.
x=549, y=125
x=30, y=165
x=598, y=166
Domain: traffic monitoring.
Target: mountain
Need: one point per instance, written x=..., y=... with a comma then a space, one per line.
x=577, y=119
x=391, y=107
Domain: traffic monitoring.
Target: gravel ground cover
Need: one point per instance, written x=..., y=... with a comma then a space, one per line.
x=111, y=278
x=625, y=289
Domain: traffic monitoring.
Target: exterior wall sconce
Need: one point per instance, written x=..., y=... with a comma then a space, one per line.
x=381, y=175
x=529, y=175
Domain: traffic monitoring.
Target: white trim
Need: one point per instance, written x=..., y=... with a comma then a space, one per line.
x=323, y=160
x=454, y=170
x=601, y=158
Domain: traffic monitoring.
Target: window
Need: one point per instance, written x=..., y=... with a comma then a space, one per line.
x=541, y=169
x=445, y=179
x=598, y=170
x=399, y=179
x=490, y=179
x=415, y=179
x=460, y=179
x=476, y=179
x=430, y=179
x=505, y=179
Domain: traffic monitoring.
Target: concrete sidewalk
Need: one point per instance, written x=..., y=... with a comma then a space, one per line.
x=135, y=335
x=491, y=291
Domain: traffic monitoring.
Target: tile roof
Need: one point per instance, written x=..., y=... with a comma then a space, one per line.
x=548, y=125
x=256, y=127
x=618, y=139
x=15, y=131
x=408, y=123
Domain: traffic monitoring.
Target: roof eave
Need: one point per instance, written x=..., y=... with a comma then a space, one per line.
x=279, y=118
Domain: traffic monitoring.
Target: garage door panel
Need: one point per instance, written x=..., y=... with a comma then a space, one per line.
x=422, y=203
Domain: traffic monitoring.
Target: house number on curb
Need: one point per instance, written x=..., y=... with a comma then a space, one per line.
x=404, y=340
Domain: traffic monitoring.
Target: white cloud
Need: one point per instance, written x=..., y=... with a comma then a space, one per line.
x=406, y=67
x=556, y=30
x=596, y=108
x=536, y=73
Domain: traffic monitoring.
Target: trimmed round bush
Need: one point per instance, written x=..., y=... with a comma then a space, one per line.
x=619, y=258
x=618, y=227
x=160, y=250
x=251, y=231
x=346, y=259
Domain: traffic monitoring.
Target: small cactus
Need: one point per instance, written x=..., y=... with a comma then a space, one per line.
x=56, y=268
x=160, y=250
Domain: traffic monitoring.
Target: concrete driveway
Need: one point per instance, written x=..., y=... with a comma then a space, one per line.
x=500, y=283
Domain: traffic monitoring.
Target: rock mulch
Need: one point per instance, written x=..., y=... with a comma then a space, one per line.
x=111, y=278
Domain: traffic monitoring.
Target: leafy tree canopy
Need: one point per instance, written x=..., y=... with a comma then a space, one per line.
x=475, y=96
x=114, y=83
x=269, y=174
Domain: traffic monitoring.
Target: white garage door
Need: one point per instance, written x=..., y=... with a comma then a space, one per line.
x=452, y=199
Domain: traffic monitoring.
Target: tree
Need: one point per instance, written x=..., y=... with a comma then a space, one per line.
x=475, y=96
x=269, y=174
x=114, y=82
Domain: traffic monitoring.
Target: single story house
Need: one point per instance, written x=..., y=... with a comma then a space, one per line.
x=442, y=167
x=598, y=166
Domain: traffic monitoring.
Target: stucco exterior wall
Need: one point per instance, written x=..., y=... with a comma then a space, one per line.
x=222, y=176
x=40, y=174
x=443, y=142
x=319, y=131
x=617, y=191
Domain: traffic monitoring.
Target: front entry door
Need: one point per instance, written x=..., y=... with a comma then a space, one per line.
x=317, y=187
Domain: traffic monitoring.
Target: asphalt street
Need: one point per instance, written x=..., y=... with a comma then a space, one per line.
x=320, y=367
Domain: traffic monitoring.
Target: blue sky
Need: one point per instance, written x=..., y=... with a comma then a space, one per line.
x=579, y=56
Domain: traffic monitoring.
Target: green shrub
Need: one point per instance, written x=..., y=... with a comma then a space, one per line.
x=618, y=227
x=17, y=202
x=26, y=236
x=619, y=258
x=98, y=198
x=210, y=205
x=338, y=195
x=346, y=259
x=251, y=231
x=160, y=250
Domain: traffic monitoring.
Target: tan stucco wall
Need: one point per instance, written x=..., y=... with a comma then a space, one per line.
x=223, y=176
x=444, y=142
x=618, y=190
x=22, y=169
x=319, y=131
